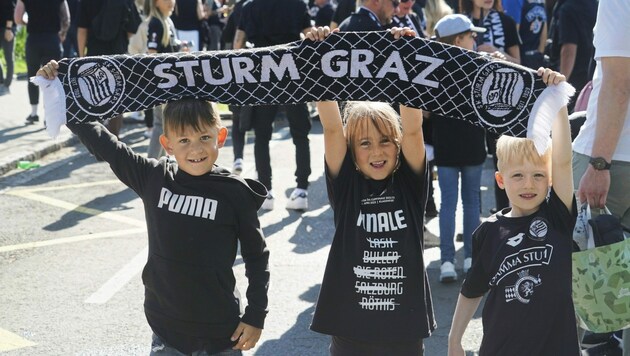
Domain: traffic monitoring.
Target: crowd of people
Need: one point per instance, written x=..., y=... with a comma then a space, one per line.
x=579, y=41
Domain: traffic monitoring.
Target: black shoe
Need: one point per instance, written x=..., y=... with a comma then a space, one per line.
x=31, y=119
x=459, y=237
x=431, y=210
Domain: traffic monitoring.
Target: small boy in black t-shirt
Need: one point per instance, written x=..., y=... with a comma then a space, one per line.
x=522, y=254
x=197, y=216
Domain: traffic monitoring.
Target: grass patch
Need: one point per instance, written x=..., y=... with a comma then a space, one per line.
x=19, y=53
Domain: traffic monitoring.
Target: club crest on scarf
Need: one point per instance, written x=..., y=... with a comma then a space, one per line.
x=97, y=87
x=501, y=94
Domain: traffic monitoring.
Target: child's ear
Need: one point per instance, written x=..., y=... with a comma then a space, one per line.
x=223, y=131
x=499, y=178
x=165, y=144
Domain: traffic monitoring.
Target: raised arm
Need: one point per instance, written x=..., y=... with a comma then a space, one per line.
x=561, y=169
x=335, y=146
x=412, y=139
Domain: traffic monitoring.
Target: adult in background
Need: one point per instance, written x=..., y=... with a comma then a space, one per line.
x=260, y=25
x=405, y=17
x=343, y=10
x=111, y=37
x=572, y=49
x=434, y=10
x=7, y=43
x=70, y=46
x=187, y=18
x=601, y=151
x=531, y=20
x=373, y=15
x=501, y=36
x=47, y=25
x=325, y=12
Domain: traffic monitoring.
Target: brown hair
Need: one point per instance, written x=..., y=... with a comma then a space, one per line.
x=182, y=114
x=466, y=6
x=451, y=39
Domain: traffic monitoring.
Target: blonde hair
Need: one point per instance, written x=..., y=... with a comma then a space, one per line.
x=515, y=150
x=166, y=29
x=359, y=114
x=434, y=10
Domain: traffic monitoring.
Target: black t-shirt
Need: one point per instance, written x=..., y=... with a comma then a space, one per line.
x=532, y=21
x=343, y=10
x=155, y=31
x=43, y=15
x=195, y=225
x=575, y=22
x=88, y=10
x=500, y=31
x=185, y=15
x=362, y=20
x=525, y=263
x=272, y=22
x=324, y=15
x=375, y=286
x=457, y=143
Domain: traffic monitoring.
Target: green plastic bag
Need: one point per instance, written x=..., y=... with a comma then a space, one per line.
x=601, y=287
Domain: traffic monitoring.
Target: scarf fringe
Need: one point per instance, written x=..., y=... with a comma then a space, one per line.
x=54, y=103
x=544, y=111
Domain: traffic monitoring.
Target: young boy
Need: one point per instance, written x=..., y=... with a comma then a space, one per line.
x=196, y=214
x=522, y=254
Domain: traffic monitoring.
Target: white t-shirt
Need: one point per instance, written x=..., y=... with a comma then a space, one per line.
x=611, y=40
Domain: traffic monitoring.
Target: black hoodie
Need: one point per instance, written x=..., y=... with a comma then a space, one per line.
x=194, y=225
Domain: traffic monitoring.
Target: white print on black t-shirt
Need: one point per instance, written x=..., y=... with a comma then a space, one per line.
x=529, y=257
x=523, y=289
x=379, y=273
x=188, y=204
x=382, y=222
x=515, y=240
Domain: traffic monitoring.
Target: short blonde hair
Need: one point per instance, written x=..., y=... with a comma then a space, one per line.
x=515, y=150
x=358, y=114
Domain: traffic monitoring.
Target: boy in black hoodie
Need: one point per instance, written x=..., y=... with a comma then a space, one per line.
x=196, y=214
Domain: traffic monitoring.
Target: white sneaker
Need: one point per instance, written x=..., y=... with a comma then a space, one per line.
x=298, y=200
x=237, y=168
x=447, y=272
x=467, y=264
x=268, y=203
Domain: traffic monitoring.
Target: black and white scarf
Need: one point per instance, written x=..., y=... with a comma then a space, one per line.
x=446, y=80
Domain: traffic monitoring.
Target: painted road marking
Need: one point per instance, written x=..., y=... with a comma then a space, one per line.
x=119, y=280
x=64, y=240
x=75, y=207
x=10, y=341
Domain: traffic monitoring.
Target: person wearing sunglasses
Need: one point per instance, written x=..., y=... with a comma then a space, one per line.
x=372, y=15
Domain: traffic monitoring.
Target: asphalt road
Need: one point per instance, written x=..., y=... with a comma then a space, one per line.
x=73, y=243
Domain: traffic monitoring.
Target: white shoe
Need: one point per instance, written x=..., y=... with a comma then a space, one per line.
x=268, y=203
x=298, y=200
x=447, y=272
x=237, y=168
x=467, y=264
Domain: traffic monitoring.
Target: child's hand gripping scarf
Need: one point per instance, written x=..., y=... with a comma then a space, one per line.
x=447, y=80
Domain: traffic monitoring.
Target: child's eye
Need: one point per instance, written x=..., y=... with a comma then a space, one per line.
x=364, y=143
x=385, y=141
x=184, y=140
x=206, y=138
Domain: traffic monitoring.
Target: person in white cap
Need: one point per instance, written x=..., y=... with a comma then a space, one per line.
x=460, y=151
